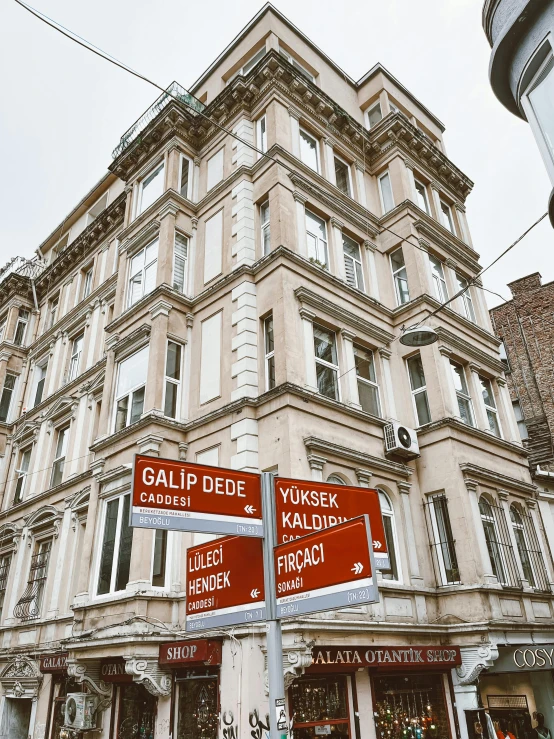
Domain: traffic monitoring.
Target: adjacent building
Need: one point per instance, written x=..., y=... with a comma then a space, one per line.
x=521, y=34
x=231, y=293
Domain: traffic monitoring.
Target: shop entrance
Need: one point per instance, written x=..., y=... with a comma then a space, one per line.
x=511, y=713
x=16, y=718
x=198, y=707
x=136, y=713
x=320, y=707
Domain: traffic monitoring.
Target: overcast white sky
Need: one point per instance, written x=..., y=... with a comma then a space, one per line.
x=62, y=109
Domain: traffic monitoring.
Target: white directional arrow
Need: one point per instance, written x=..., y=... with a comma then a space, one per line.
x=254, y=593
x=358, y=567
x=377, y=545
x=249, y=509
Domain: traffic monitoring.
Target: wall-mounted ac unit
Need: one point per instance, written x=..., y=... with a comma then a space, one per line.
x=401, y=440
x=80, y=711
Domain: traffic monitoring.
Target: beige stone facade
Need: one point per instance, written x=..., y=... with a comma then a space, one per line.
x=208, y=302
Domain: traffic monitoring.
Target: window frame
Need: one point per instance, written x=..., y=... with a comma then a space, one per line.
x=88, y=277
x=369, y=110
x=399, y=301
x=355, y=261
x=265, y=227
x=4, y=575
x=53, y=307
x=318, y=239
x=350, y=187
x=328, y=365
x=448, y=215
x=145, y=267
x=116, y=548
x=75, y=358
x=426, y=207
x=91, y=218
x=12, y=391
x=178, y=383
x=21, y=475
x=418, y=391
x=493, y=409
x=394, y=533
x=438, y=277
x=261, y=134
x=517, y=403
x=60, y=457
x=269, y=356
x=185, y=259
x=370, y=383
x=381, y=177
x=522, y=543
x=24, y=321
x=139, y=210
x=439, y=544
x=296, y=64
x=302, y=131
x=498, y=565
x=219, y=153
x=546, y=66
x=465, y=298
x=182, y=158
x=130, y=391
x=463, y=395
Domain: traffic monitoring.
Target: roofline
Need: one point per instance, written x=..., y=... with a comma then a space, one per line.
x=356, y=85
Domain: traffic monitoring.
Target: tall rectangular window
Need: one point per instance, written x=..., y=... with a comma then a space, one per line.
x=185, y=177
x=39, y=380
x=130, y=389
x=21, y=471
x=75, y=359
x=97, y=208
x=462, y=393
x=541, y=97
x=442, y=541
x=439, y=283
x=210, y=359
x=87, y=282
x=261, y=133
x=115, y=553
x=421, y=196
x=215, y=169
x=308, y=150
x=173, y=363
x=446, y=216
x=342, y=176
x=490, y=405
x=213, y=247
x=352, y=263
x=385, y=188
x=326, y=362
x=269, y=353
x=5, y=561
x=21, y=327
x=150, y=188
x=521, y=425
x=316, y=237
x=7, y=397
x=374, y=115
x=368, y=390
x=465, y=298
x=419, y=390
x=159, y=558
x=30, y=604
x=265, y=227
x=53, y=311
x=142, y=273
x=59, y=457
x=180, y=256
x=296, y=65
x=400, y=276
x=2, y=328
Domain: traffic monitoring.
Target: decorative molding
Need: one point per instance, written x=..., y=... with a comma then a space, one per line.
x=496, y=479
x=474, y=661
x=147, y=672
x=88, y=673
x=469, y=349
x=296, y=657
x=458, y=425
x=404, y=487
x=183, y=449
x=150, y=444
x=318, y=446
x=132, y=244
x=161, y=308
x=133, y=342
x=363, y=476
x=21, y=678
x=316, y=462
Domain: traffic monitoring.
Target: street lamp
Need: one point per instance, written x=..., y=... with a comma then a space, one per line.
x=418, y=336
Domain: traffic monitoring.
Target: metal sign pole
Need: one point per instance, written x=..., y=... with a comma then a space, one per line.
x=277, y=716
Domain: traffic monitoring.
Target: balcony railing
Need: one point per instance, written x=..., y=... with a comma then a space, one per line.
x=31, y=268
x=173, y=92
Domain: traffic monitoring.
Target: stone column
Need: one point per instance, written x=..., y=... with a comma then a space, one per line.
x=467, y=698
x=410, y=534
x=337, y=261
x=360, y=183
x=244, y=155
x=85, y=569
x=506, y=410
x=348, y=380
x=330, y=161
x=301, y=246
x=473, y=492
x=92, y=333
x=104, y=422
x=373, y=283
x=153, y=396
x=173, y=162
x=185, y=393
x=244, y=344
x=389, y=410
x=192, y=258
x=462, y=223
x=410, y=181
x=450, y=397
x=481, y=420
x=436, y=204
x=294, y=118
x=166, y=244
x=196, y=180
x=363, y=477
x=245, y=433
x=316, y=466
x=309, y=356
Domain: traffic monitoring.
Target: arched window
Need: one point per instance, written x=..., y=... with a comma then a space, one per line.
x=335, y=480
x=389, y=525
x=492, y=539
x=522, y=545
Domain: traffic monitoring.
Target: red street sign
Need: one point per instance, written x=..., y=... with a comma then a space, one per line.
x=190, y=652
x=329, y=569
x=182, y=496
x=304, y=506
x=112, y=670
x=225, y=583
x=53, y=662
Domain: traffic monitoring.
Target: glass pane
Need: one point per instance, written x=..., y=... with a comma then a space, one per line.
x=317, y=699
x=421, y=196
x=137, y=713
x=159, y=559
x=374, y=115
x=459, y=378
x=465, y=410
x=415, y=369
x=135, y=289
x=324, y=345
x=61, y=446
x=266, y=238
x=39, y=391
x=137, y=263
x=150, y=278
x=198, y=715
x=397, y=260
x=327, y=381
x=542, y=100
x=308, y=150
x=351, y=247
x=262, y=143
x=137, y=405
x=108, y=543
x=494, y=551
x=179, y=268
x=173, y=361
x=125, y=544
x=57, y=472
x=181, y=245
x=386, y=192
x=349, y=270
x=270, y=373
x=19, y=333
x=422, y=407
x=151, y=253
x=269, y=342
x=316, y=226
x=132, y=372
x=363, y=361
x=402, y=287
x=5, y=402
x=152, y=188
x=392, y=572
x=447, y=217
x=359, y=276
x=170, y=405
x=369, y=398
x=468, y=303
x=184, y=184
x=252, y=62
x=493, y=423
x=341, y=176
x=264, y=212
x=121, y=413
x=312, y=246
x=486, y=388
x=524, y=556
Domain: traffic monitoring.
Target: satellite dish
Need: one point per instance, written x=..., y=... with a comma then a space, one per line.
x=419, y=336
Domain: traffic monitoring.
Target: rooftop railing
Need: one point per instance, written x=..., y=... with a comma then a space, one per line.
x=173, y=92
x=31, y=268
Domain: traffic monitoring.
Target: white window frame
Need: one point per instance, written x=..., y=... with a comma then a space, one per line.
x=88, y=276
x=140, y=187
x=291, y=60
x=394, y=528
x=252, y=61
x=22, y=473
x=381, y=177
x=90, y=217
x=168, y=559
x=417, y=391
x=491, y=408
x=460, y=393
x=13, y=391
x=185, y=259
x=62, y=456
x=447, y=219
x=334, y=367
x=268, y=355
x=261, y=134
x=439, y=280
x=265, y=227
x=53, y=307
x=178, y=383
x=426, y=207
x=24, y=321
x=320, y=243
x=437, y=539
x=355, y=262
x=75, y=357
x=394, y=277
x=117, y=542
x=3, y=324
x=371, y=383
x=349, y=174
x=468, y=309
x=129, y=392
x=183, y=158
x=520, y=421
x=545, y=70
x=302, y=131
x=370, y=110
x=40, y=366
x=145, y=266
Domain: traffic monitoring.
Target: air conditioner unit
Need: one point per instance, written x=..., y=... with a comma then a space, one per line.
x=401, y=440
x=80, y=711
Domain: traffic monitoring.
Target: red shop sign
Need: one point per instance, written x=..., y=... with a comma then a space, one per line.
x=113, y=671
x=191, y=652
x=52, y=663
x=327, y=659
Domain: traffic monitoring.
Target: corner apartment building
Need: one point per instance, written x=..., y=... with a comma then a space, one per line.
x=213, y=302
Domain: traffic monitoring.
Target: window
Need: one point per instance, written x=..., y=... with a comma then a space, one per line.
x=296, y=65
x=142, y=273
x=374, y=115
x=342, y=177
x=421, y=196
x=269, y=353
x=30, y=603
x=210, y=359
x=150, y=189
x=75, y=360
x=465, y=298
x=97, y=208
x=23, y=469
x=462, y=393
x=53, y=311
x=59, y=457
x=522, y=546
x=385, y=188
x=492, y=538
x=419, y=390
x=439, y=283
x=197, y=707
x=528, y=546
x=213, y=247
x=541, y=99
x=400, y=276
x=335, y=480
x=5, y=561
x=308, y=150
x=521, y=425
x=261, y=133
x=215, y=169
x=115, y=553
x=442, y=541
x=129, y=394
x=159, y=558
x=180, y=256
x=446, y=216
x=352, y=263
x=389, y=524
x=368, y=390
x=87, y=282
x=7, y=396
x=490, y=405
x=326, y=362
x=316, y=236
x=2, y=328
x=320, y=706
x=266, y=228
x=172, y=379
x=251, y=63
x=504, y=357
x=21, y=327
x=185, y=177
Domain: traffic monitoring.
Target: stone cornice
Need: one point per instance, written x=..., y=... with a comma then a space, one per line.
x=452, y=245
x=315, y=444
x=16, y=286
x=470, y=350
x=458, y=425
x=496, y=479
x=146, y=304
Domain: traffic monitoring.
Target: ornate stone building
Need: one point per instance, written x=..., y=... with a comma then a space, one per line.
x=231, y=293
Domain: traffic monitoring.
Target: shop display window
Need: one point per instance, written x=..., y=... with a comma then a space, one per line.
x=137, y=713
x=410, y=707
x=197, y=708
x=320, y=708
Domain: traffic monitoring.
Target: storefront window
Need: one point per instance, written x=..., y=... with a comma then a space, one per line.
x=63, y=687
x=137, y=713
x=410, y=707
x=320, y=707
x=198, y=708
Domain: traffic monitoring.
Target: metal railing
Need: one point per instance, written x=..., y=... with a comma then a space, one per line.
x=173, y=92
x=499, y=545
x=531, y=552
x=441, y=541
x=31, y=268
x=29, y=605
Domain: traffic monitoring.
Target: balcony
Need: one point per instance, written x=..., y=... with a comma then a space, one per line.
x=30, y=268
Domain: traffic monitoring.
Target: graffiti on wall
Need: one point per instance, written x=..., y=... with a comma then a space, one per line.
x=229, y=731
x=258, y=726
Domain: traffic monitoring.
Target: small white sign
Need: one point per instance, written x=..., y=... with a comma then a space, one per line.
x=280, y=714
x=324, y=730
